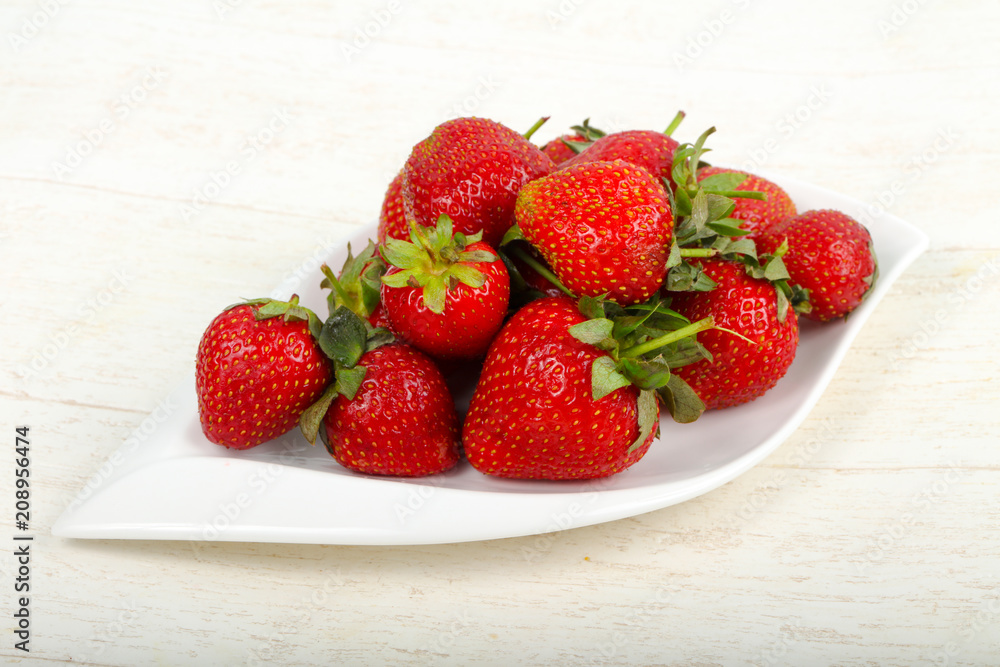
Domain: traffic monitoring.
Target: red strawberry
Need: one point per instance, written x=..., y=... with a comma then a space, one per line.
x=568, y=146
x=653, y=151
x=739, y=371
x=829, y=254
x=553, y=400
x=533, y=415
x=557, y=149
x=603, y=227
x=756, y=215
x=470, y=169
x=402, y=420
x=392, y=221
x=258, y=368
x=445, y=295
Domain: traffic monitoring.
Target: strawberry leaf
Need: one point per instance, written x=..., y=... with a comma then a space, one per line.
x=343, y=337
x=312, y=418
x=645, y=374
x=680, y=400
x=402, y=254
x=646, y=408
x=349, y=380
x=727, y=180
x=596, y=332
x=605, y=379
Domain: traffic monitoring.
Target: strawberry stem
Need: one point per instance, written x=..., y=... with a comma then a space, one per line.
x=674, y=123
x=540, y=269
x=740, y=194
x=666, y=339
x=698, y=252
x=335, y=283
x=534, y=128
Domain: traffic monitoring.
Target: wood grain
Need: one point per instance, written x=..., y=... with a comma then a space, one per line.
x=870, y=537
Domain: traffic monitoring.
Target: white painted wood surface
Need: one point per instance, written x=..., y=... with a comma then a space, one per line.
x=870, y=537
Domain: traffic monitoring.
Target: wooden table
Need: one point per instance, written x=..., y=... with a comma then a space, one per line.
x=159, y=160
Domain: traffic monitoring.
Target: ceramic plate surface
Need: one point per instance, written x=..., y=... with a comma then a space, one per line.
x=168, y=482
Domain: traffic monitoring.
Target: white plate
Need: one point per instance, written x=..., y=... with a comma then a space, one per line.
x=168, y=482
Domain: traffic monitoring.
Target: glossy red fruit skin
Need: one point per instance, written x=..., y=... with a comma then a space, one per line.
x=739, y=371
x=392, y=219
x=471, y=169
x=830, y=254
x=471, y=316
x=559, y=152
x=402, y=421
x=255, y=378
x=603, y=227
x=653, y=151
x=756, y=215
x=532, y=415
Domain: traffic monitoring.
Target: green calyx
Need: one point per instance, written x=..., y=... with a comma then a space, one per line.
x=589, y=133
x=289, y=311
x=704, y=227
x=344, y=338
x=435, y=261
x=359, y=284
x=643, y=343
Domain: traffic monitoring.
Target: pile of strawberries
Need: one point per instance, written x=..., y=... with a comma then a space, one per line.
x=586, y=283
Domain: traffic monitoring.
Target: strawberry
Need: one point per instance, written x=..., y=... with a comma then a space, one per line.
x=559, y=397
x=389, y=411
x=392, y=221
x=603, y=227
x=746, y=365
x=756, y=215
x=446, y=294
x=829, y=254
x=559, y=149
x=358, y=286
x=470, y=169
x=568, y=146
x=258, y=368
x=653, y=151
